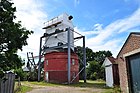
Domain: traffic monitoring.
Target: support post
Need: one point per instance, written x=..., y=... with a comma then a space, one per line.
x=84, y=58
x=69, y=57
x=39, y=62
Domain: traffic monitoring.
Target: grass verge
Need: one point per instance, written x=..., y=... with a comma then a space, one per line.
x=22, y=88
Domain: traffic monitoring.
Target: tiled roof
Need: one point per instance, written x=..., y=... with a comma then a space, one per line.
x=112, y=60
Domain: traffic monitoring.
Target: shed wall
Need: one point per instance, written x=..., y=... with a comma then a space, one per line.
x=132, y=44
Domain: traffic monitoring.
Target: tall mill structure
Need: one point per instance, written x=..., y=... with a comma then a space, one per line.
x=61, y=64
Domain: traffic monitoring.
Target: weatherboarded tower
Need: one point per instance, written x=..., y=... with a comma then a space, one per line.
x=59, y=65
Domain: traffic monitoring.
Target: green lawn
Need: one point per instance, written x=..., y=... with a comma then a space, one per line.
x=22, y=88
x=97, y=84
x=90, y=84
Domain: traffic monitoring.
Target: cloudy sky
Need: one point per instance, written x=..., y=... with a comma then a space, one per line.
x=105, y=23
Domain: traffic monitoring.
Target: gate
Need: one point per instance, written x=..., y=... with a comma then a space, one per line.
x=134, y=66
x=7, y=84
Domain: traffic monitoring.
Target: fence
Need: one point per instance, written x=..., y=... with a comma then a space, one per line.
x=7, y=83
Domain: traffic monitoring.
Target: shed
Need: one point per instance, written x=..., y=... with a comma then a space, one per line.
x=111, y=71
x=129, y=64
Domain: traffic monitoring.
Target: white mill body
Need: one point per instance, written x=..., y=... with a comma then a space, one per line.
x=61, y=22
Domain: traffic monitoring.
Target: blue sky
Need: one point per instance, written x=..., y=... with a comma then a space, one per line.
x=105, y=23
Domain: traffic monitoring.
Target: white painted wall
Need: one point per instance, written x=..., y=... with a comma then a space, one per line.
x=61, y=37
x=108, y=72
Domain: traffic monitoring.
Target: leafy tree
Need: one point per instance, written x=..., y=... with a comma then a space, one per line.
x=92, y=70
x=101, y=55
x=89, y=53
x=95, y=69
x=89, y=57
x=94, y=62
x=12, y=37
x=22, y=74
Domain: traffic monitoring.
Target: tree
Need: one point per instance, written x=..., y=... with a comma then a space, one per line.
x=95, y=69
x=12, y=37
x=101, y=55
x=89, y=57
x=94, y=62
x=89, y=53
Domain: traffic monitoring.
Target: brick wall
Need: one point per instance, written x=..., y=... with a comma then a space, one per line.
x=56, y=66
x=131, y=44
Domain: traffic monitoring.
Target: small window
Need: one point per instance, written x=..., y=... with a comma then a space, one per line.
x=46, y=62
x=73, y=62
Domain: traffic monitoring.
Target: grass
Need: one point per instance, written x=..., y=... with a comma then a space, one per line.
x=24, y=89
x=44, y=83
x=21, y=88
x=97, y=84
x=90, y=84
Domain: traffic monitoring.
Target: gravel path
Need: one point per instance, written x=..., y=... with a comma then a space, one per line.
x=65, y=89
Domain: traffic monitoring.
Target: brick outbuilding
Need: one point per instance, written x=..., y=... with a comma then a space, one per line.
x=129, y=64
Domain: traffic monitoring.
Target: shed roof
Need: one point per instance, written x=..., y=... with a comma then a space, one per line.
x=112, y=59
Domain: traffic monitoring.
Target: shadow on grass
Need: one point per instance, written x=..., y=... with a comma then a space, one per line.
x=91, y=84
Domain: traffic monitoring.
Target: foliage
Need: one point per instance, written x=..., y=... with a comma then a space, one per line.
x=33, y=76
x=94, y=62
x=89, y=57
x=12, y=37
x=22, y=74
x=89, y=53
x=95, y=71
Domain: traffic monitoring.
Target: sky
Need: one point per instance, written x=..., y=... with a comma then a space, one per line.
x=106, y=24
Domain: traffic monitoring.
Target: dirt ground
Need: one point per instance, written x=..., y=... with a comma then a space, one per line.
x=91, y=88
x=65, y=89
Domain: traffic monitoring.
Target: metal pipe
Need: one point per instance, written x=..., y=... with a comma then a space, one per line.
x=84, y=58
x=39, y=62
x=69, y=57
x=76, y=32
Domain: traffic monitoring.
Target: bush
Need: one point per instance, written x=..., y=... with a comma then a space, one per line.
x=20, y=73
x=95, y=71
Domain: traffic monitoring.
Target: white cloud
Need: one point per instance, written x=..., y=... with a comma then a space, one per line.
x=32, y=16
x=106, y=37
x=30, y=13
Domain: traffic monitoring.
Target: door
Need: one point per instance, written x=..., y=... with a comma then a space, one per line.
x=134, y=62
x=47, y=76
